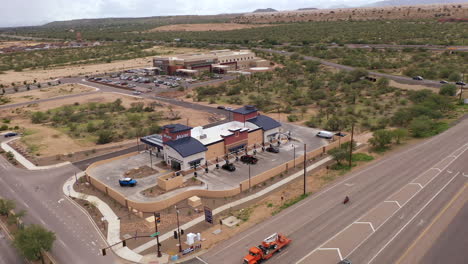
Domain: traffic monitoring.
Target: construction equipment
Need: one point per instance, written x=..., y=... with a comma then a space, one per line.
x=266, y=250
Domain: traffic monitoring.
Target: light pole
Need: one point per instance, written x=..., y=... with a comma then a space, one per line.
x=351, y=146
x=249, y=178
x=151, y=159
x=305, y=165
x=178, y=228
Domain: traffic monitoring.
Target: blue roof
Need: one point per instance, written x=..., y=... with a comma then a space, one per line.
x=245, y=110
x=265, y=122
x=174, y=128
x=187, y=146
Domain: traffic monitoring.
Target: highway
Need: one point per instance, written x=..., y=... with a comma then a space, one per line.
x=398, y=195
x=397, y=78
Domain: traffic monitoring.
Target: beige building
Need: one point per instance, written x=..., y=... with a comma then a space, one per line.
x=219, y=61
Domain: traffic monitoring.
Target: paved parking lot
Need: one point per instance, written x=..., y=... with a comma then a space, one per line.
x=110, y=173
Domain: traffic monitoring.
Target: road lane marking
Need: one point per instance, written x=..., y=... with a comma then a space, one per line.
x=412, y=218
x=369, y=223
x=432, y=223
x=337, y=249
x=342, y=181
x=415, y=183
x=393, y=202
x=448, y=164
x=201, y=260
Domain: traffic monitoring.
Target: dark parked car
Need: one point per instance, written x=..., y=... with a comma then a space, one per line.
x=229, y=167
x=221, y=107
x=443, y=82
x=345, y=261
x=11, y=134
x=249, y=159
x=273, y=149
x=340, y=134
x=127, y=182
x=418, y=78
x=460, y=83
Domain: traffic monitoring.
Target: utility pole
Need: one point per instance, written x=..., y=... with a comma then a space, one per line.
x=351, y=146
x=294, y=151
x=461, y=87
x=151, y=159
x=156, y=219
x=249, y=178
x=178, y=229
x=305, y=165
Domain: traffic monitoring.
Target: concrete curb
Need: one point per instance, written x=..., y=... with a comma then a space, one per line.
x=113, y=223
x=25, y=162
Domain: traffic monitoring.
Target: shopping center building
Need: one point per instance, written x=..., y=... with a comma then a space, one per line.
x=219, y=61
x=184, y=147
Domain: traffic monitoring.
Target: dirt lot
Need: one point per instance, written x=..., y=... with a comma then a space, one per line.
x=412, y=87
x=205, y=27
x=44, y=141
x=49, y=92
x=52, y=73
x=5, y=44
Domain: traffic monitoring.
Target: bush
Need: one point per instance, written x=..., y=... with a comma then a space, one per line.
x=448, y=89
x=38, y=117
x=104, y=137
x=293, y=118
x=3, y=127
x=381, y=139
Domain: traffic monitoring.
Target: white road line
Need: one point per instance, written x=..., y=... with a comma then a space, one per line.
x=412, y=218
x=201, y=260
x=415, y=183
x=344, y=180
x=367, y=223
x=394, y=201
x=337, y=249
x=379, y=204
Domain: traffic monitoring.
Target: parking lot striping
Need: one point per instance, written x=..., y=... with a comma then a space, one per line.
x=393, y=202
x=367, y=223
x=432, y=223
x=415, y=183
x=412, y=218
x=448, y=164
x=337, y=249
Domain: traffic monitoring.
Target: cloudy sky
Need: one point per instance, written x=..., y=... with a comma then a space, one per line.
x=37, y=12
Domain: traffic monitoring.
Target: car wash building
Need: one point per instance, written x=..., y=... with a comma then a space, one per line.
x=185, y=148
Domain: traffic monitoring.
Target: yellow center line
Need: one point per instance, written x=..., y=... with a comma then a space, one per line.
x=432, y=223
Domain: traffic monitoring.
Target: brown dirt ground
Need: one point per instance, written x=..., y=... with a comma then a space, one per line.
x=140, y=172
x=4, y=44
x=205, y=27
x=412, y=87
x=50, y=92
x=52, y=142
x=86, y=69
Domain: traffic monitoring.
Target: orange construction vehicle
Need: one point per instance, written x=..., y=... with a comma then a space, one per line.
x=266, y=250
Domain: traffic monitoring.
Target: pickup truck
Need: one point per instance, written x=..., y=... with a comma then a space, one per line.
x=127, y=182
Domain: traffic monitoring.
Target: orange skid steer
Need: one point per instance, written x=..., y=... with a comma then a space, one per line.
x=269, y=246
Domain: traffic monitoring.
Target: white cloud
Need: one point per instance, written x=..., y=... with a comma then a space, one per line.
x=36, y=12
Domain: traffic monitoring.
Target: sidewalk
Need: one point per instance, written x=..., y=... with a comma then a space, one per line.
x=25, y=162
x=113, y=235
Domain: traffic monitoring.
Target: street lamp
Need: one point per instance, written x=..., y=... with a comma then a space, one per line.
x=249, y=177
x=294, y=160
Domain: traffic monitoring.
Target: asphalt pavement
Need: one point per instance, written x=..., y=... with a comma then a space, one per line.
x=8, y=253
x=322, y=216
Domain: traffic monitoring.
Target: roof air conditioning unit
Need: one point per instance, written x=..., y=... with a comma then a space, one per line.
x=203, y=136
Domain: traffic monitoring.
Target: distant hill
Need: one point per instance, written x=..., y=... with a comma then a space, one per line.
x=265, y=10
x=307, y=8
x=140, y=21
x=414, y=2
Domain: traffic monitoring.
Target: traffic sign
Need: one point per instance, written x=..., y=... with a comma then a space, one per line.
x=208, y=215
x=155, y=234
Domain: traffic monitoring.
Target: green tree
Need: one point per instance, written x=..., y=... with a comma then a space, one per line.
x=454, y=77
x=448, y=89
x=38, y=117
x=32, y=240
x=421, y=126
x=381, y=139
x=6, y=206
x=338, y=154
x=399, y=134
